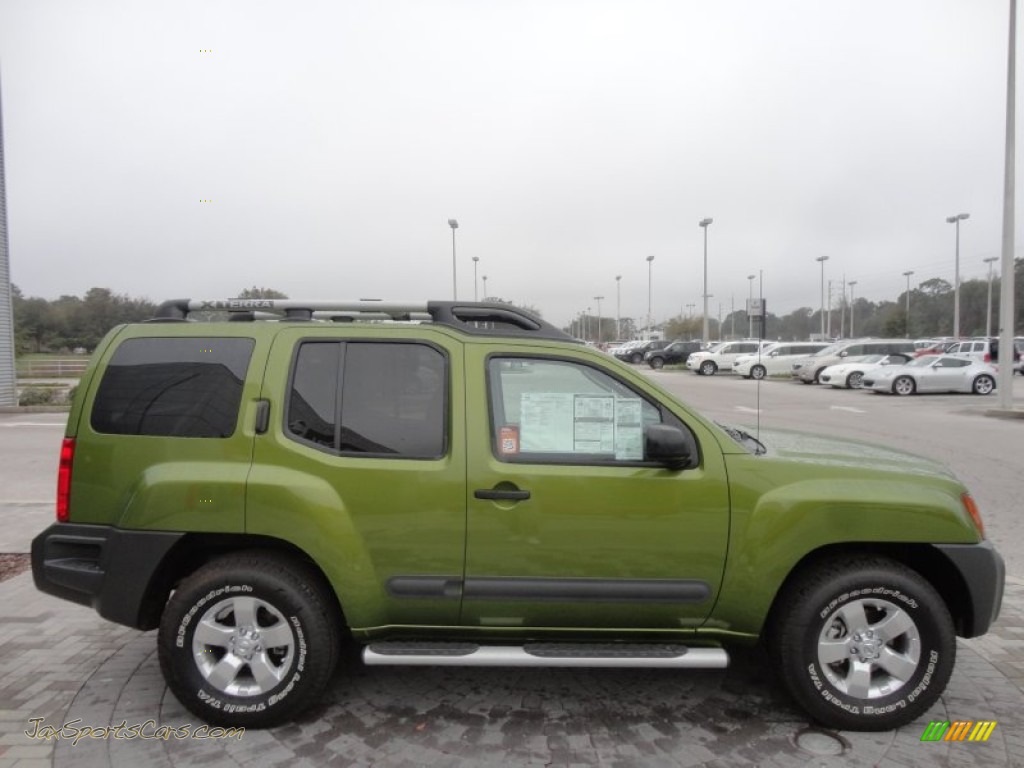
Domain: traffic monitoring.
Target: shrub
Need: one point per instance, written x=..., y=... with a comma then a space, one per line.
x=36, y=396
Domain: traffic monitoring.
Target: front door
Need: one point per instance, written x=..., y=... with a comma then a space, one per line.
x=568, y=525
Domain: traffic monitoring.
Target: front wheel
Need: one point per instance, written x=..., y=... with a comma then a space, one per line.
x=983, y=385
x=758, y=372
x=636, y=359
x=904, y=385
x=855, y=380
x=708, y=368
x=248, y=640
x=863, y=643
x=657, y=362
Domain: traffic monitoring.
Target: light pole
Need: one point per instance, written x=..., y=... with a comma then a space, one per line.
x=822, y=259
x=956, y=273
x=750, y=317
x=650, y=269
x=475, y=260
x=704, y=224
x=618, y=306
x=599, y=299
x=828, y=325
x=852, y=304
x=586, y=325
x=907, y=275
x=484, y=278
x=988, y=307
x=455, y=291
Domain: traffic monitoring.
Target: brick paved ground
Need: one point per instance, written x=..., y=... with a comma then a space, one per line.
x=62, y=663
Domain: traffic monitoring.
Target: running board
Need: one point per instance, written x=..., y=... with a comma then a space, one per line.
x=544, y=655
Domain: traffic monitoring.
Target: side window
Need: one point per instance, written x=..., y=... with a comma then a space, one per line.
x=171, y=387
x=564, y=412
x=370, y=398
x=955, y=363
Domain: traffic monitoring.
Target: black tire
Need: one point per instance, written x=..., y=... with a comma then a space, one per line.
x=758, y=372
x=637, y=358
x=983, y=385
x=815, y=648
x=855, y=380
x=708, y=368
x=657, y=362
x=263, y=685
x=817, y=375
x=904, y=385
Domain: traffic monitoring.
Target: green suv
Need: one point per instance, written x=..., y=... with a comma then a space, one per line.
x=463, y=484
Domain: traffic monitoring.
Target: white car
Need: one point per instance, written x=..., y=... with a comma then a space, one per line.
x=708, y=363
x=850, y=374
x=777, y=358
x=933, y=373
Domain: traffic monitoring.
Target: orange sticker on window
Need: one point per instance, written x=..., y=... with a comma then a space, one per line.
x=508, y=441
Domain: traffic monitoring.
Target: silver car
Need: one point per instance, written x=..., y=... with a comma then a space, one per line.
x=933, y=373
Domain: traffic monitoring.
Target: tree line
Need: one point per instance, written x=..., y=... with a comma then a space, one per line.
x=931, y=315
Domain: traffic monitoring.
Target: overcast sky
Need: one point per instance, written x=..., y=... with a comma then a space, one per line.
x=571, y=139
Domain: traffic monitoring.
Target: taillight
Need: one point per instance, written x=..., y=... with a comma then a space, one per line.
x=67, y=457
x=988, y=358
x=972, y=510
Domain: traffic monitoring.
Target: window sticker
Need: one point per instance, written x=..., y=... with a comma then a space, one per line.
x=508, y=441
x=565, y=422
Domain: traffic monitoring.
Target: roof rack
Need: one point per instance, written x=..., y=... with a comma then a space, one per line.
x=472, y=317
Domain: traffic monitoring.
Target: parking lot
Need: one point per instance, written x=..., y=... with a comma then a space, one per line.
x=63, y=664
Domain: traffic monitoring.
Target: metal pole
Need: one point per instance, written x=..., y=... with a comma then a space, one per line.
x=822, y=260
x=988, y=306
x=650, y=269
x=1006, y=286
x=956, y=272
x=830, y=309
x=907, y=324
x=618, y=306
x=750, y=318
x=455, y=291
x=599, y=299
x=484, y=278
x=852, y=305
x=475, y=260
x=704, y=224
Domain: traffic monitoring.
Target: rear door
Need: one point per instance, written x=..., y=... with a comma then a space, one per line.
x=362, y=467
x=568, y=525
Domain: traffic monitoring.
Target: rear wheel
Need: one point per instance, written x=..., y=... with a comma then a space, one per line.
x=758, y=372
x=863, y=643
x=708, y=368
x=904, y=385
x=855, y=380
x=657, y=362
x=636, y=358
x=249, y=640
x=984, y=384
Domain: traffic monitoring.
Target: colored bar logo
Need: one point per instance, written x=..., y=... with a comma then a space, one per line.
x=959, y=730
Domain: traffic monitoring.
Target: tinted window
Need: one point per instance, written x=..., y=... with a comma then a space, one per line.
x=391, y=398
x=173, y=387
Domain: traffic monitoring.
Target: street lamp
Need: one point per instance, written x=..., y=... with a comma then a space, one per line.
x=704, y=224
x=599, y=299
x=484, y=278
x=454, y=225
x=907, y=275
x=475, y=260
x=750, y=317
x=822, y=259
x=988, y=307
x=851, y=284
x=956, y=273
x=650, y=269
x=618, y=306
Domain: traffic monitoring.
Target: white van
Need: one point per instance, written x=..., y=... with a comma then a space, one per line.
x=775, y=359
x=708, y=363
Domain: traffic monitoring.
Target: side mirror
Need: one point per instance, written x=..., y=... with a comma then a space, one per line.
x=667, y=445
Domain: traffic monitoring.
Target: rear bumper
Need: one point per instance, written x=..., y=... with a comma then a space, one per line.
x=982, y=570
x=103, y=567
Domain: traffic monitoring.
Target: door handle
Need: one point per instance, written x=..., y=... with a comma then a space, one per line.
x=495, y=494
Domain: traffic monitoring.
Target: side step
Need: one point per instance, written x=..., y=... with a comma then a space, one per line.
x=544, y=655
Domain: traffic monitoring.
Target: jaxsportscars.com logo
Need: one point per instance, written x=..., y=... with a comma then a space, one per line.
x=958, y=730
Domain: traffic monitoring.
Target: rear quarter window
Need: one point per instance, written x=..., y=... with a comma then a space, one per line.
x=171, y=387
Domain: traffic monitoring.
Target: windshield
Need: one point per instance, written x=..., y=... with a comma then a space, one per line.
x=922, y=362
x=830, y=350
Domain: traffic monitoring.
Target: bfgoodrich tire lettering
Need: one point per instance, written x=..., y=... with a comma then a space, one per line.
x=248, y=640
x=863, y=644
